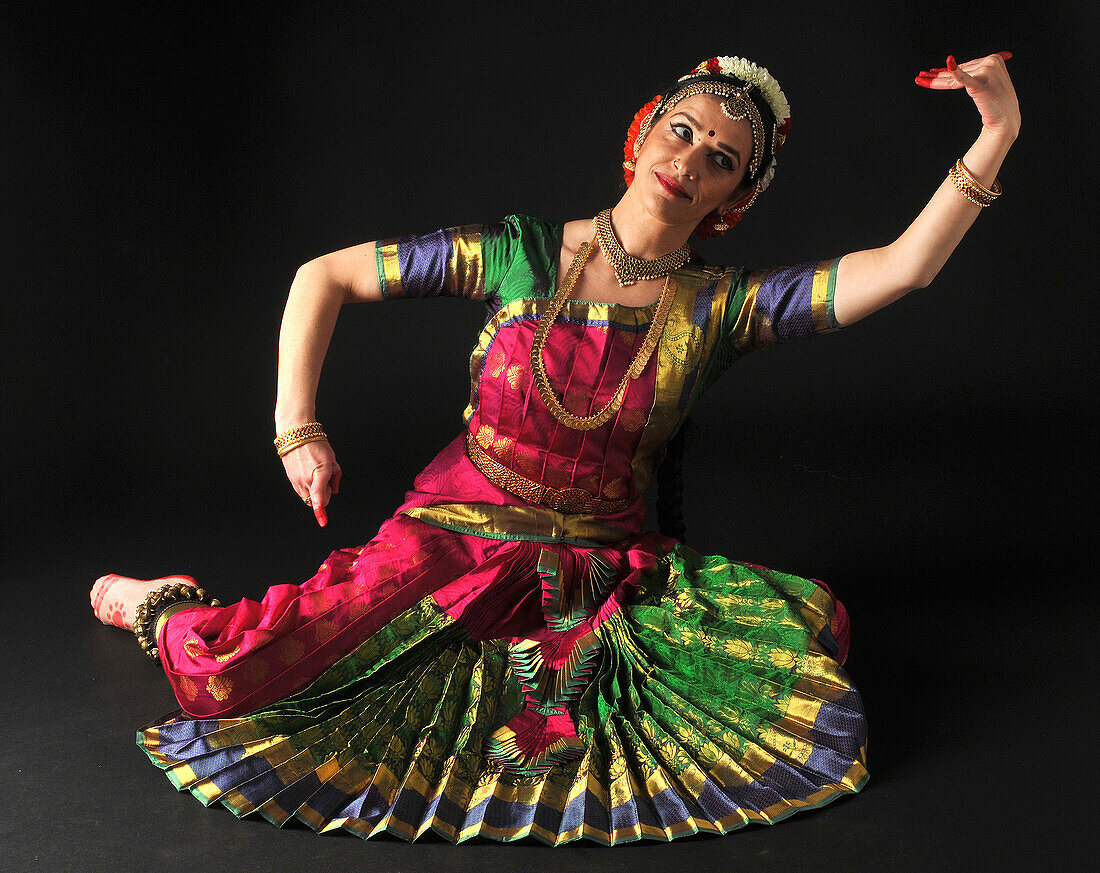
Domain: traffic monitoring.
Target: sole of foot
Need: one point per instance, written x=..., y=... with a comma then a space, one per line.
x=115, y=598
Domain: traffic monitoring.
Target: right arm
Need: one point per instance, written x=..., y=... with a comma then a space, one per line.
x=319, y=289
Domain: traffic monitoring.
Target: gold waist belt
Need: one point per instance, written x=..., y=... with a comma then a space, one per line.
x=566, y=500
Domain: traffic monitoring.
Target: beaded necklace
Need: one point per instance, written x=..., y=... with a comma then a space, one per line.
x=637, y=364
x=629, y=269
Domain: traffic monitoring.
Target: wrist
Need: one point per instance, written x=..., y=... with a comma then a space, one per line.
x=999, y=137
x=285, y=419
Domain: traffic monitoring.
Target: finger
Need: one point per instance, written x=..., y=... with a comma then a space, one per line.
x=939, y=83
x=961, y=76
x=318, y=499
x=1005, y=55
x=319, y=496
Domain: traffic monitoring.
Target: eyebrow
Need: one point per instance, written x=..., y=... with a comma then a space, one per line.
x=723, y=145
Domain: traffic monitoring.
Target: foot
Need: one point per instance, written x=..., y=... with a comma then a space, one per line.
x=115, y=598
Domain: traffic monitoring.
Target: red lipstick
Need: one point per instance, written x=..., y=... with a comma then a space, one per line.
x=670, y=186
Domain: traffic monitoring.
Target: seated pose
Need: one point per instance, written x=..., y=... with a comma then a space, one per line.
x=512, y=655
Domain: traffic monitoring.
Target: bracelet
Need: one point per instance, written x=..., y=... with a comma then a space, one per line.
x=310, y=432
x=971, y=188
x=174, y=596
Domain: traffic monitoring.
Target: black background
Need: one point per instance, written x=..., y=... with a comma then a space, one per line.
x=169, y=170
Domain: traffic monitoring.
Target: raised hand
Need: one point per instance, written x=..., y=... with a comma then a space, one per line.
x=987, y=82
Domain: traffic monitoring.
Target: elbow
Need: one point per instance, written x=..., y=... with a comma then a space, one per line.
x=318, y=276
x=312, y=269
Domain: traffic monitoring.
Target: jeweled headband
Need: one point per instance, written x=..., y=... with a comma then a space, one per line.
x=748, y=92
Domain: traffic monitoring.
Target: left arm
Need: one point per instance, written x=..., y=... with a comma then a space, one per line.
x=869, y=280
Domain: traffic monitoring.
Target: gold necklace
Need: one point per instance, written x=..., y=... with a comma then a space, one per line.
x=629, y=269
x=637, y=364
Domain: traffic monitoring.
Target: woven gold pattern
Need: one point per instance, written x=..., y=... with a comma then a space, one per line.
x=565, y=500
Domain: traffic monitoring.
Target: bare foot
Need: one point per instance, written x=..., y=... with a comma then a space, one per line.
x=115, y=598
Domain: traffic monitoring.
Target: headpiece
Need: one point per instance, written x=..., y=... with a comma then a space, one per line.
x=748, y=92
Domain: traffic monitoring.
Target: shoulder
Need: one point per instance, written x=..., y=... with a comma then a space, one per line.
x=722, y=276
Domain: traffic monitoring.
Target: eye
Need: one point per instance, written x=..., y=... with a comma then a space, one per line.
x=682, y=131
x=723, y=161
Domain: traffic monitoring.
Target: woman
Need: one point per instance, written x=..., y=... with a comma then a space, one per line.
x=511, y=655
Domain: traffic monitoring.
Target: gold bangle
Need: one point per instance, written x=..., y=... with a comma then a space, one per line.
x=967, y=190
x=311, y=431
x=290, y=447
x=991, y=194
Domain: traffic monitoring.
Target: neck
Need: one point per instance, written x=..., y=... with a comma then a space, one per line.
x=640, y=235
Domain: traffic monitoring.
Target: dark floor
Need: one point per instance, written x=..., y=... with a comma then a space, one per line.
x=976, y=703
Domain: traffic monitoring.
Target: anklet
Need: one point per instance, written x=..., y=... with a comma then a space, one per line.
x=159, y=604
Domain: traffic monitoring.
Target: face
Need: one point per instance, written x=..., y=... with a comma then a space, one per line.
x=692, y=161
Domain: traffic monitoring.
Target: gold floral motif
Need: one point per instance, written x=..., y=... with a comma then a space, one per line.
x=682, y=349
x=785, y=659
x=291, y=651
x=614, y=488
x=632, y=420
x=323, y=630
x=516, y=373
x=255, y=670
x=737, y=649
x=683, y=601
x=528, y=463
x=219, y=687
x=557, y=477
x=356, y=609
x=502, y=447
x=576, y=401
x=590, y=484
x=497, y=360
x=485, y=436
x=221, y=659
x=189, y=689
x=194, y=648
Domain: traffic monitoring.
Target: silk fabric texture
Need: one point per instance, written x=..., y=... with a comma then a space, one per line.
x=486, y=667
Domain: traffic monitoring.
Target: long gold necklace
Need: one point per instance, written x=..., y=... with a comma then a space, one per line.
x=637, y=364
x=629, y=269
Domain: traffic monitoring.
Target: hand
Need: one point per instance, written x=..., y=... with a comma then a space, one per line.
x=986, y=81
x=315, y=475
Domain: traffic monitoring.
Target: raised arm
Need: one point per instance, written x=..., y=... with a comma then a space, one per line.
x=869, y=280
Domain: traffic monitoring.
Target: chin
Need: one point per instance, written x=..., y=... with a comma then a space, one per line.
x=670, y=212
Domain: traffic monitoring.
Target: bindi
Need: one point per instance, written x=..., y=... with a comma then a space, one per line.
x=712, y=133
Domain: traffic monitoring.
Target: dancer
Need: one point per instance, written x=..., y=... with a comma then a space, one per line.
x=512, y=655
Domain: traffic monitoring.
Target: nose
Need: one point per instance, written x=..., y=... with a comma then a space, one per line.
x=688, y=160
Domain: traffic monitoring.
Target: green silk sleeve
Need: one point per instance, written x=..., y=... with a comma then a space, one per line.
x=496, y=263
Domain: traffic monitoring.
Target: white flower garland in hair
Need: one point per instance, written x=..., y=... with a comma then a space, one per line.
x=759, y=76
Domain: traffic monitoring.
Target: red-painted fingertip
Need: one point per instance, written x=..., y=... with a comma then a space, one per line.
x=924, y=83
x=322, y=520
x=951, y=64
x=1005, y=55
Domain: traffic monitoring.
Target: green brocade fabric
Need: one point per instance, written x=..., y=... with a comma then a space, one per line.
x=711, y=683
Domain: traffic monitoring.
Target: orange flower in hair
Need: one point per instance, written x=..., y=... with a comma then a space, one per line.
x=630, y=156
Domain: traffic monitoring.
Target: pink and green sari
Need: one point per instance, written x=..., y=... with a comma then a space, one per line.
x=489, y=666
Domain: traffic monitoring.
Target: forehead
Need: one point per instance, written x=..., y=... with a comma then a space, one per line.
x=707, y=110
